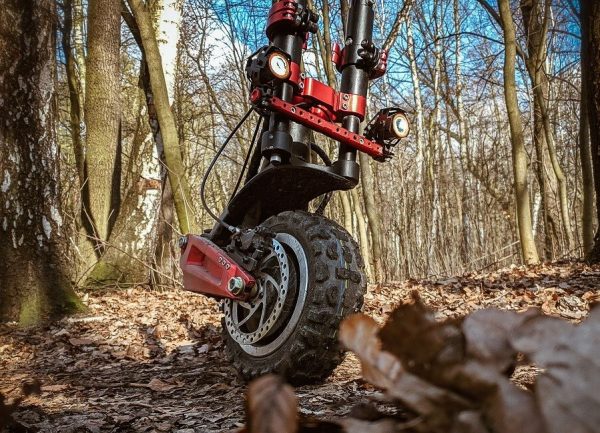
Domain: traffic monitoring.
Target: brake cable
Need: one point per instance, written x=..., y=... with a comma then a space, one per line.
x=219, y=220
x=252, y=143
x=327, y=161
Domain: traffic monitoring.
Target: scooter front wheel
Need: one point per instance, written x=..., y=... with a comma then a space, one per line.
x=310, y=281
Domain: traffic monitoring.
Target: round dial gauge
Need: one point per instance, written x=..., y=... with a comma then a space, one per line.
x=400, y=125
x=279, y=66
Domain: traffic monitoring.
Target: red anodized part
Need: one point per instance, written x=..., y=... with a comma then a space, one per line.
x=281, y=12
x=348, y=103
x=334, y=104
x=329, y=129
x=336, y=55
x=207, y=269
x=295, y=73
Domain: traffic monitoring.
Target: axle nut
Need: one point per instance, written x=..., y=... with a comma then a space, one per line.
x=182, y=242
x=236, y=286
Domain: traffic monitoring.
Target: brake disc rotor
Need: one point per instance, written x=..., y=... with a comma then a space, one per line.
x=249, y=322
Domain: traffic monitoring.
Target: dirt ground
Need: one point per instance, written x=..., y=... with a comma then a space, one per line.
x=143, y=361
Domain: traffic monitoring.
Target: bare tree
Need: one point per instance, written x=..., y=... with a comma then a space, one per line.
x=177, y=176
x=587, y=174
x=590, y=62
x=102, y=117
x=528, y=248
x=34, y=277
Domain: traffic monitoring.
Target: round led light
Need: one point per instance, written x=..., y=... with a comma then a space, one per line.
x=279, y=66
x=400, y=125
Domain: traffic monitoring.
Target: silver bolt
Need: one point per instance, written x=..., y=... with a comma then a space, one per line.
x=345, y=106
x=182, y=242
x=346, y=96
x=236, y=286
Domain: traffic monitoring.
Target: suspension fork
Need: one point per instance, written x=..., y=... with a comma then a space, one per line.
x=278, y=141
x=355, y=80
x=282, y=137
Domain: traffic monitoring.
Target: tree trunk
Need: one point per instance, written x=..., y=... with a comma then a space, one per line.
x=535, y=22
x=34, y=280
x=362, y=232
x=420, y=133
x=102, y=113
x=590, y=14
x=79, y=44
x=466, y=232
x=128, y=252
x=75, y=90
x=372, y=210
x=166, y=120
x=587, y=212
x=519, y=154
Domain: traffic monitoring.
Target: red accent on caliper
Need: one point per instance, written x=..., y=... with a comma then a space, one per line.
x=207, y=269
x=330, y=129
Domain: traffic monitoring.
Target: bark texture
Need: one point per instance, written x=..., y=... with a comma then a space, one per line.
x=535, y=26
x=519, y=154
x=587, y=212
x=34, y=281
x=591, y=63
x=102, y=113
x=131, y=242
x=166, y=120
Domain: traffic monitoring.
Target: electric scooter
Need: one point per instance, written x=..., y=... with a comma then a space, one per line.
x=286, y=277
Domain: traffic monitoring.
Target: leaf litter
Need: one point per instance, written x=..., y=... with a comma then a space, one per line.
x=144, y=361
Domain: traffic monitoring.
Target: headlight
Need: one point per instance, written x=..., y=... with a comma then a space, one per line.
x=400, y=125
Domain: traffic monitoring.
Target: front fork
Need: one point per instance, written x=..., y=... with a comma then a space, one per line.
x=285, y=137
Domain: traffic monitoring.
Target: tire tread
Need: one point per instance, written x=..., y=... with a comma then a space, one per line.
x=314, y=351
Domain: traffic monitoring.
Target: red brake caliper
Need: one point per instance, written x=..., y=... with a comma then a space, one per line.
x=208, y=270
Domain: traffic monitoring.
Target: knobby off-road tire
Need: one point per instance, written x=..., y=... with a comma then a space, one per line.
x=335, y=288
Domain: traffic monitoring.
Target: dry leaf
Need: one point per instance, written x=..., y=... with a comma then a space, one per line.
x=80, y=341
x=567, y=390
x=160, y=386
x=271, y=406
x=421, y=343
x=358, y=426
x=359, y=334
x=487, y=336
x=54, y=388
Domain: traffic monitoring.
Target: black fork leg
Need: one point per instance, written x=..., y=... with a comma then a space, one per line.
x=278, y=141
x=355, y=78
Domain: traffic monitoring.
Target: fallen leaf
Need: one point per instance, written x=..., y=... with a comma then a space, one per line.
x=160, y=386
x=487, y=336
x=271, y=406
x=80, y=341
x=359, y=333
x=54, y=388
x=567, y=389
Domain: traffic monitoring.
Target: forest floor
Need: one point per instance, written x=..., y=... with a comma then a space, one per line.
x=144, y=361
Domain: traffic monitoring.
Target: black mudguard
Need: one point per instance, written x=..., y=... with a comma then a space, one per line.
x=277, y=189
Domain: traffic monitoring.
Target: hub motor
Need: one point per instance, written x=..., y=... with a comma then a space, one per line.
x=260, y=324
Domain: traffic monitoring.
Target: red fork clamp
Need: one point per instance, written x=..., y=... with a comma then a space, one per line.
x=208, y=270
x=317, y=123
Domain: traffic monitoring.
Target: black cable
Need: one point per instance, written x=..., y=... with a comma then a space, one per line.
x=229, y=227
x=322, y=154
x=325, y=158
x=239, y=180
